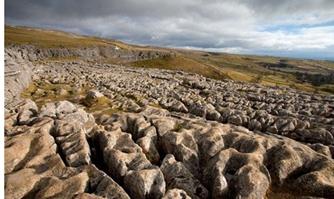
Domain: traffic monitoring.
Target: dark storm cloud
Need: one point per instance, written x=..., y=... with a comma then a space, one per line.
x=230, y=25
x=21, y=9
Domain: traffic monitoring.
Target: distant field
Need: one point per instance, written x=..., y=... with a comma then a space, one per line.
x=181, y=63
x=57, y=39
x=47, y=39
x=307, y=75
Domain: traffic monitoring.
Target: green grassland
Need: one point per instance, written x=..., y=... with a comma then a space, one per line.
x=48, y=38
x=181, y=63
x=45, y=38
x=245, y=68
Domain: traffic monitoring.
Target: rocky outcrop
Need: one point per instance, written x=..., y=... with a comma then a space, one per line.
x=106, y=131
x=61, y=156
x=284, y=111
x=18, y=75
x=51, y=158
x=179, y=177
x=92, y=53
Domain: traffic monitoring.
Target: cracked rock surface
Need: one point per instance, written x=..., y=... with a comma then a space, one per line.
x=117, y=132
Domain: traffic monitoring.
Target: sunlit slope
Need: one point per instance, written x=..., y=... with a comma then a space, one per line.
x=307, y=75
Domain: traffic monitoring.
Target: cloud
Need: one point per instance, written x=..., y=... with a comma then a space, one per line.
x=239, y=26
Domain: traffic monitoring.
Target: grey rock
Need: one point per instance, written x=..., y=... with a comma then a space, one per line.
x=320, y=148
x=251, y=183
x=105, y=186
x=25, y=112
x=56, y=109
x=146, y=183
x=71, y=138
x=178, y=176
x=176, y=194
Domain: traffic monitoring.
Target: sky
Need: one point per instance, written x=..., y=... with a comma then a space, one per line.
x=292, y=28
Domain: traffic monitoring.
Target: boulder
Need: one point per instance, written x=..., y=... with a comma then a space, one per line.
x=104, y=186
x=71, y=139
x=16, y=187
x=29, y=148
x=319, y=182
x=93, y=94
x=320, y=148
x=148, y=145
x=67, y=188
x=54, y=110
x=131, y=106
x=254, y=125
x=210, y=144
x=163, y=125
x=92, y=97
x=178, y=176
x=183, y=146
x=87, y=196
x=284, y=162
x=318, y=135
x=146, y=183
x=176, y=194
x=120, y=153
x=212, y=114
x=251, y=182
x=25, y=112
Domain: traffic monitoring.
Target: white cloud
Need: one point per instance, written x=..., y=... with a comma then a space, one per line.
x=229, y=26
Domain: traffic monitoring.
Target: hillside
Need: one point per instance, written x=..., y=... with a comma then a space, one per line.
x=307, y=75
x=95, y=118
